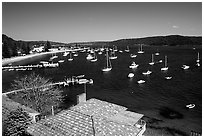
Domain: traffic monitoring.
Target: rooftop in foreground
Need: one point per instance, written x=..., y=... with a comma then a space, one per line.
x=93, y=117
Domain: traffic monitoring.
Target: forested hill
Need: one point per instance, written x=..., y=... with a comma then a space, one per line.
x=171, y=40
x=11, y=47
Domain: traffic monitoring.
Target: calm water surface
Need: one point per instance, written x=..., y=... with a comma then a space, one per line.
x=185, y=86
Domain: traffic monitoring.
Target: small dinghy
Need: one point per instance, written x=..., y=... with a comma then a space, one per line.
x=168, y=78
x=190, y=106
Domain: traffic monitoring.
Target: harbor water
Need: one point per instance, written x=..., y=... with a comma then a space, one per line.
x=114, y=86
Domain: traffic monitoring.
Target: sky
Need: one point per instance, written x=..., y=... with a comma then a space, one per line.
x=88, y=21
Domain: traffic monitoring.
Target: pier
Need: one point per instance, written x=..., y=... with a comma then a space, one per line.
x=74, y=80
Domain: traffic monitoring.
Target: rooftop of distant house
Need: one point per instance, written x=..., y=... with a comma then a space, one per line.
x=93, y=117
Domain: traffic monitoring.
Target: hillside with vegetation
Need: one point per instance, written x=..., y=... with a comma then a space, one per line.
x=171, y=40
x=11, y=47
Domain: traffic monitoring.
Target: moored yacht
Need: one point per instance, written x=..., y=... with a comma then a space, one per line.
x=152, y=63
x=185, y=67
x=133, y=65
x=165, y=65
x=133, y=55
x=130, y=75
x=141, y=81
x=147, y=73
x=140, y=50
x=108, y=63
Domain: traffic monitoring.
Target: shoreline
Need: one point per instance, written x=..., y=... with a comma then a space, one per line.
x=19, y=58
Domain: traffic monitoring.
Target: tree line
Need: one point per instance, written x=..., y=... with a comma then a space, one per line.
x=12, y=48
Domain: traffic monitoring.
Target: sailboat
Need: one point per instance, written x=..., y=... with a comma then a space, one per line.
x=127, y=50
x=108, y=63
x=152, y=63
x=115, y=49
x=70, y=56
x=94, y=58
x=198, y=60
x=165, y=65
x=140, y=50
x=113, y=56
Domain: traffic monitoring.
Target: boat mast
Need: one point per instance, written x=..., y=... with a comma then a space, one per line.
x=110, y=63
x=152, y=58
x=198, y=55
x=107, y=58
x=165, y=61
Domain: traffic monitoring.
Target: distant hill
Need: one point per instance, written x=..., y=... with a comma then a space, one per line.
x=171, y=40
x=11, y=47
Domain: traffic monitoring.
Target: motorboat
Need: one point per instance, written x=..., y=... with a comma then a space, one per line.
x=133, y=55
x=168, y=77
x=147, y=73
x=100, y=53
x=190, y=106
x=61, y=61
x=133, y=65
x=141, y=81
x=75, y=55
x=198, y=64
x=157, y=53
x=185, y=67
x=130, y=75
x=89, y=57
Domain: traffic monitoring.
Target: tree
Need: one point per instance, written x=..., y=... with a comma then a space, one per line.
x=6, y=53
x=47, y=46
x=36, y=94
x=16, y=123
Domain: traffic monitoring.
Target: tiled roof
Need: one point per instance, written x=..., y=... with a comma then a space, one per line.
x=93, y=117
x=98, y=108
x=66, y=123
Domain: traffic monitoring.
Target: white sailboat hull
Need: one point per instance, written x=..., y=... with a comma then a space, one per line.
x=70, y=59
x=106, y=69
x=164, y=69
x=141, y=81
x=151, y=63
